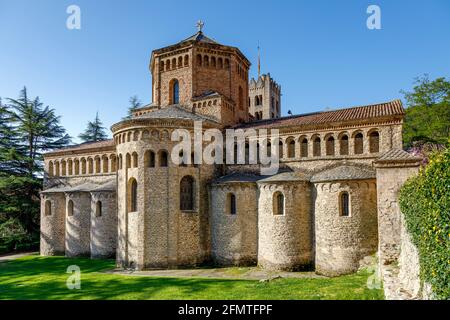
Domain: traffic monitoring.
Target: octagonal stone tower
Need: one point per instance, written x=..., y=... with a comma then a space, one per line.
x=196, y=71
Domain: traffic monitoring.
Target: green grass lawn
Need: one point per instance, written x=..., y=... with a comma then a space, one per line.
x=36, y=277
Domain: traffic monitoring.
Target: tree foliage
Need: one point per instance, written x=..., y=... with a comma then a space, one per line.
x=27, y=130
x=37, y=128
x=95, y=131
x=428, y=112
x=425, y=203
x=134, y=104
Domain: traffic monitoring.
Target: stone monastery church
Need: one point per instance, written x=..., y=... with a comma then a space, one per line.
x=332, y=202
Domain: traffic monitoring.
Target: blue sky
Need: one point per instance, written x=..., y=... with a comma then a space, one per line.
x=321, y=52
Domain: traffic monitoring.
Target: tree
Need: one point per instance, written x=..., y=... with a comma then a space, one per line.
x=38, y=130
x=94, y=131
x=134, y=104
x=27, y=130
x=428, y=112
x=10, y=156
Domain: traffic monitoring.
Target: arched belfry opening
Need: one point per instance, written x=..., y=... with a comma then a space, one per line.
x=174, y=91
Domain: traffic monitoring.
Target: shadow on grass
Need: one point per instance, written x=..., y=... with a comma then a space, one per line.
x=37, y=277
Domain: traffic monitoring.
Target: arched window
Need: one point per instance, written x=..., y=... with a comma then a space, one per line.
x=231, y=203
x=187, y=193
x=70, y=167
x=135, y=160
x=97, y=164
x=180, y=62
x=316, y=147
x=278, y=203
x=186, y=61
x=174, y=63
x=167, y=65
x=344, y=204
x=98, y=209
x=163, y=158
x=48, y=208
x=161, y=66
x=206, y=61
x=91, y=165
x=57, y=168
x=113, y=163
x=70, y=208
x=280, y=149
x=77, y=166
x=120, y=162
x=105, y=164
x=227, y=64
x=128, y=161
x=343, y=145
x=199, y=60
x=291, y=148
x=269, y=149
x=241, y=98
x=50, y=169
x=219, y=63
x=304, y=148
x=374, y=142
x=174, y=92
x=83, y=166
x=132, y=195
x=149, y=159
x=63, y=168
x=330, y=146
x=359, y=144
x=213, y=62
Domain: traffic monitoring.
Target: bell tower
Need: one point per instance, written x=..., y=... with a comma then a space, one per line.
x=192, y=71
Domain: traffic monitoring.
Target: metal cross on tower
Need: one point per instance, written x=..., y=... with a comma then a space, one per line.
x=200, y=25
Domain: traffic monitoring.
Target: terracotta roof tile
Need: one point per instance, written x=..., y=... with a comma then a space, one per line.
x=392, y=108
x=84, y=146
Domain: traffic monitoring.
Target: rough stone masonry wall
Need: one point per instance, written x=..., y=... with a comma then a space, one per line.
x=104, y=227
x=78, y=225
x=53, y=226
x=389, y=182
x=342, y=241
x=234, y=237
x=285, y=241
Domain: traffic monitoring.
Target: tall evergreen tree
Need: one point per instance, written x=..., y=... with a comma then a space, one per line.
x=10, y=155
x=28, y=129
x=94, y=131
x=134, y=104
x=38, y=129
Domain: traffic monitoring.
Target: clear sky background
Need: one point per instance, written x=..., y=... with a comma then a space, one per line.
x=321, y=52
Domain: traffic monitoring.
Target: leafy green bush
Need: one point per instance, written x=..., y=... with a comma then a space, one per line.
x=425, y=203
x=14, y=237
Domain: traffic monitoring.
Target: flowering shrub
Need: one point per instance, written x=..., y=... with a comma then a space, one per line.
x=425, y=203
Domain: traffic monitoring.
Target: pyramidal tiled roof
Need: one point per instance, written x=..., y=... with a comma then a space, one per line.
x=397, y=154
x=344, y=172
x=174, y=112
x=199, y=37
x=391, y=108
x=237, y=177
x=84, y=187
